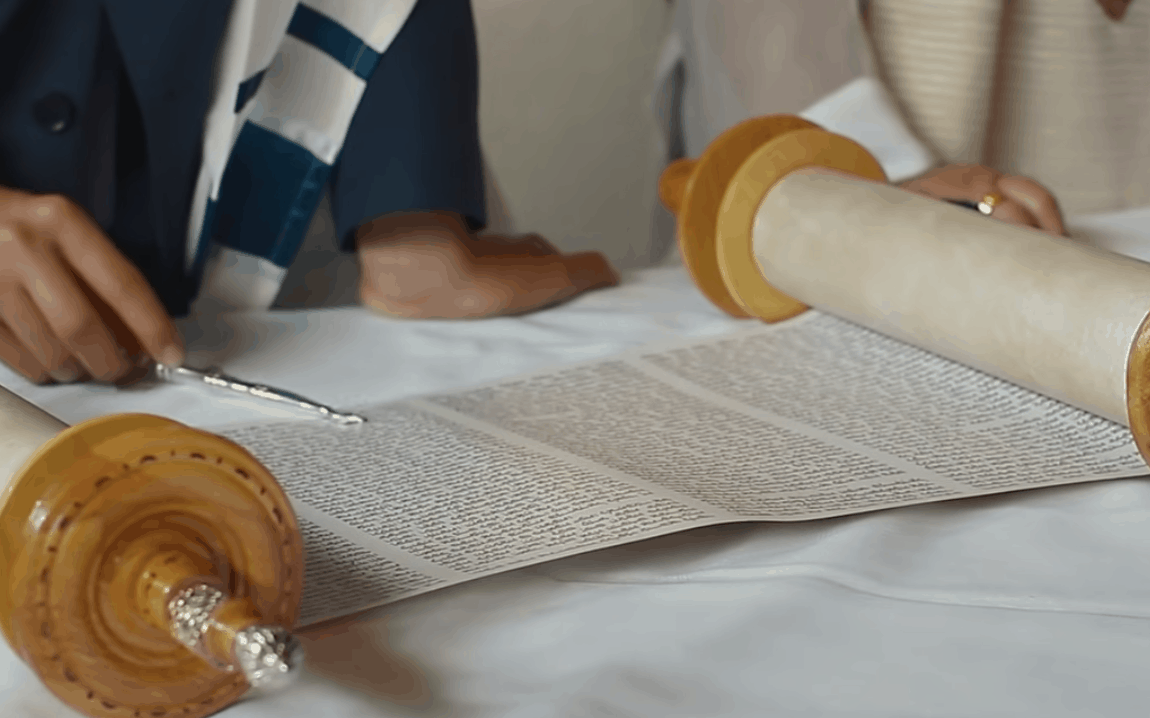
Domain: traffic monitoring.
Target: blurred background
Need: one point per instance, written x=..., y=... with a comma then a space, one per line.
x=566, y=118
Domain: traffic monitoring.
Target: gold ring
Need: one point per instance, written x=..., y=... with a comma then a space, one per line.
x=989, y=201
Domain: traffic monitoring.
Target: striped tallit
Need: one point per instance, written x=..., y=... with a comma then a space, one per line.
x=289, y=77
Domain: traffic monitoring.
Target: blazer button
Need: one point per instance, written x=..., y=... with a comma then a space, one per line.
x=54, y=112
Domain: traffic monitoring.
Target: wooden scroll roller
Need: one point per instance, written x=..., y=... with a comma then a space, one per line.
x=778, y=215
x=149, y=569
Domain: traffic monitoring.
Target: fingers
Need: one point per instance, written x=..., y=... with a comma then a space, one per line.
x=531, y=245
x=590, y=270
x=487, y=287
x=1013, y=213
x=964, y=182
x=118, y=283
x=423, y=278
x=1023, y=201
x=673, y=183
x=70, y=300
x=458, y=277
x=532, y=283
x=1037, y=201
x=69, y=315
x=538, y=246
x=28, y=327
x=1114, y=9
x=15, y=354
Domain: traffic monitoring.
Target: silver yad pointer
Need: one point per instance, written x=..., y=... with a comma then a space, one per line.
x=214, y=377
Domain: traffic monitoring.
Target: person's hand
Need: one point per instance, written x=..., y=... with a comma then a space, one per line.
x=1114, y=9
x=71, y=306
x=429, y=266
x=1023, y=201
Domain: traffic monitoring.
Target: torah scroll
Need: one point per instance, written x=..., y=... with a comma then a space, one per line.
x=1044, y=312
x=799, y=225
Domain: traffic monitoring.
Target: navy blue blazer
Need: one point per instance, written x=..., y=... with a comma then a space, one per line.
x=413, y=144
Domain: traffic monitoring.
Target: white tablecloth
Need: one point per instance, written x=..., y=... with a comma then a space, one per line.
x=1027, y=604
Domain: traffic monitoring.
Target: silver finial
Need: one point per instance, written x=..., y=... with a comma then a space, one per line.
x=269, y=656
x=191, y=612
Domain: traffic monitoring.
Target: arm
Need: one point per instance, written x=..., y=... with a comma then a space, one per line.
x=408, y=192
x=72, y=305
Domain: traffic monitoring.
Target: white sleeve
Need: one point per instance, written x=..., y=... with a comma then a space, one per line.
x=864, y=111
x=778, y=56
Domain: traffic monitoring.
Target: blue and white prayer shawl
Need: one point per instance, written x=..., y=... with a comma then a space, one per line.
x=289, y=77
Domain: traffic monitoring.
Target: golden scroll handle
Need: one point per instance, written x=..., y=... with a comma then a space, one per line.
x=715, y=197
x=150, y=569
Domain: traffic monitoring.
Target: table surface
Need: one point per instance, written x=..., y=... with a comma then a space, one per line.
x=1025, y=604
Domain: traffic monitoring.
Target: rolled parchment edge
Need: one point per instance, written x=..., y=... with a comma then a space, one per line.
x=802, y=149
x=1138, y=388
x=699, y=208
